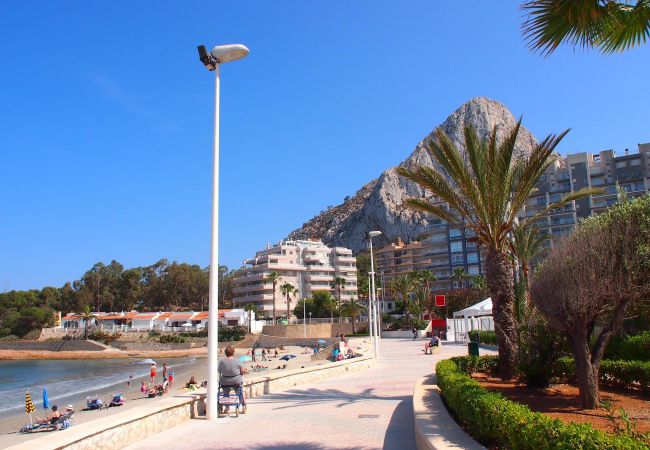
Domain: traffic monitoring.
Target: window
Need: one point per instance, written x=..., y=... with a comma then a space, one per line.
x=620, y=164
x=541, y=200
x=473, y=270
x=469, y=245
x=457, y=259
x=456, y=247
x=454, y=233
x=472, y=257
x=635, y=162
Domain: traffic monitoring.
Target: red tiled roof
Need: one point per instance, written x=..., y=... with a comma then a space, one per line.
x=163, y=316
x=144, y=316
x=128, y=315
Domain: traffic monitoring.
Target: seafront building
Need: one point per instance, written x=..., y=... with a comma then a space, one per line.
x=446, y=248
x=153, y=321
x=309, y=265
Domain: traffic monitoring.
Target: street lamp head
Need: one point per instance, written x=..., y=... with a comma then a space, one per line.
x=374, y=233
x=230, y=52
x=221, y=54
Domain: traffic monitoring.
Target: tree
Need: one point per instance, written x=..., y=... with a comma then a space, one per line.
x=588, y=283
x=273, y=278
x=86, y=315
x=484, y=188
x=288, y=289
x=250, y=308
x=461, y=276
x=353, y=308
x=478, y=281
x=402, y=287
x=338, y=283
x=526, y=244
x=610, y=26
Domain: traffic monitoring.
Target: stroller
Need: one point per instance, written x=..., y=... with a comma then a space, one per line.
x=231, y=396
x=94, y=403
x=61, y=423
x=117, y=400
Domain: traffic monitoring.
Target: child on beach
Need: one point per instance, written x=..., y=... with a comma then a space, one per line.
x=128, y=383
x=170, y=378
x=153, y=373
x=143, y=388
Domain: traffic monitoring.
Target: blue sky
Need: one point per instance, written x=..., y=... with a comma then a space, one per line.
x=106, y=113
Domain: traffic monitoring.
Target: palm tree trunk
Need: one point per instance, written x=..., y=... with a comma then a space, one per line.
x=501, y=285
x=354, y=330
x=288, y=303
x=273, y=303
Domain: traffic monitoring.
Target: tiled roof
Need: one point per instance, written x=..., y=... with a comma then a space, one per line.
x=144, y=316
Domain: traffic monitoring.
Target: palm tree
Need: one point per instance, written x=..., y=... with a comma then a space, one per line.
x=607, y=25
x=86, y=315
x=484, y=190
x=461, y=276
x=288, y=289
x=250, y=308
x=353, y=308
x=338, y=283
x=526, y=243
x=274, y=278
x=402, y=286
x=478, y=281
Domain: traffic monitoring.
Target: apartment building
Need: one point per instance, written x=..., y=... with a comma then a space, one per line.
x=446, y=248
x=308, y=265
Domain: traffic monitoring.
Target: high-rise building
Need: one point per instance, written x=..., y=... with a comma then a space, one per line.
x=443, y=248
x=308, y=265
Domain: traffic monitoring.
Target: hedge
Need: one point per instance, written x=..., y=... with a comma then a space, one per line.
x=633, y=348
x=618, y=373
x=486, y=337
x=489, y=417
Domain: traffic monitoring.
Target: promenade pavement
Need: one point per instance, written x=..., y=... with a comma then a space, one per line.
x=371, y=409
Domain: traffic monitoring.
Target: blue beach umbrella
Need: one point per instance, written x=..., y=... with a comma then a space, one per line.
x=46, y=401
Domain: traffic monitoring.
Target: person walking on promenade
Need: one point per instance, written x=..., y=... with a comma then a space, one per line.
x=415, y=333
x=263, y=354
x=253, y=354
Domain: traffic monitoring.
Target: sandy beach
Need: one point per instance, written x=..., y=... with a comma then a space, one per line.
x=11, y=423
x=107, y=354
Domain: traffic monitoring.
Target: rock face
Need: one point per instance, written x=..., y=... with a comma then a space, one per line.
x=379, y=204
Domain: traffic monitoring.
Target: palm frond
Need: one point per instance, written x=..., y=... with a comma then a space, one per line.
x=607, y=25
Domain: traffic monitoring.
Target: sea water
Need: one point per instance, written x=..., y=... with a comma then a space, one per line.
x=64, y=378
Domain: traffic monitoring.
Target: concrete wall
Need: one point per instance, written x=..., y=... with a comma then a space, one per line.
x=314, y=330
x=133, y=425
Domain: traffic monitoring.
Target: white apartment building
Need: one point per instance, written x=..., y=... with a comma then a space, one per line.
x=308, y=265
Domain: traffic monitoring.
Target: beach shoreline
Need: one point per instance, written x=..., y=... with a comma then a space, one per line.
x=15, y=355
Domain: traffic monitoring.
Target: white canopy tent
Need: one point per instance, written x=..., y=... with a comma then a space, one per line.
x=475, y=317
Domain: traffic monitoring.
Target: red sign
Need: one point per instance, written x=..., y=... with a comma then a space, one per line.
x=440, y=300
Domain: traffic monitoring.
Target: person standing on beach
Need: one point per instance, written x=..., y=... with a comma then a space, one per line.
x=128, y=383
x=263, y=354
x=171, y=378
x=143, y=388
x=152, y=373
x=164, y=371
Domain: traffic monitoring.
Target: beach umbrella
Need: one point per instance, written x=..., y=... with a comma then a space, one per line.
x=29, y=405
x=288, y=357
x=46, y=401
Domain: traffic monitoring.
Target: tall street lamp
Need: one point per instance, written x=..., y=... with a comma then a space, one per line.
x=212, y=61
x=371, y=235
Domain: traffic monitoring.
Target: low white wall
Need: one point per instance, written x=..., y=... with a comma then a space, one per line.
x=403, y=334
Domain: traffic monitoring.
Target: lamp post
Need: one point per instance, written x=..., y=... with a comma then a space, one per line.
x=372, y=234
x=304, y=318
x=212, y=61
x=310, y=317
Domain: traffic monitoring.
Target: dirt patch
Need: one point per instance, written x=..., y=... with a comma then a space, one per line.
x=561, y=401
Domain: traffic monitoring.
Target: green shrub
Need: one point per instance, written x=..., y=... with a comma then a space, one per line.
x=171, y=339
x=617, y=373
x=470, y=364
x=9, y=338
x=489, y=417
x=484, y=337
x=106, y=338
x=153, y=334
x=636, y=348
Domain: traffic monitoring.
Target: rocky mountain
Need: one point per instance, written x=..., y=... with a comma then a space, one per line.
x=378, y=205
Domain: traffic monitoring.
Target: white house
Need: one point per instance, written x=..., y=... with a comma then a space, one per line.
x=144, y=320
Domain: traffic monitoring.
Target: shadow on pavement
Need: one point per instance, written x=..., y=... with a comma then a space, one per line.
x=299, y=398
x=400, y=432
x=298, y=446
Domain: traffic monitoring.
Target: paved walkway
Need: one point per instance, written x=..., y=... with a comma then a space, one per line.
x=371, y=409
